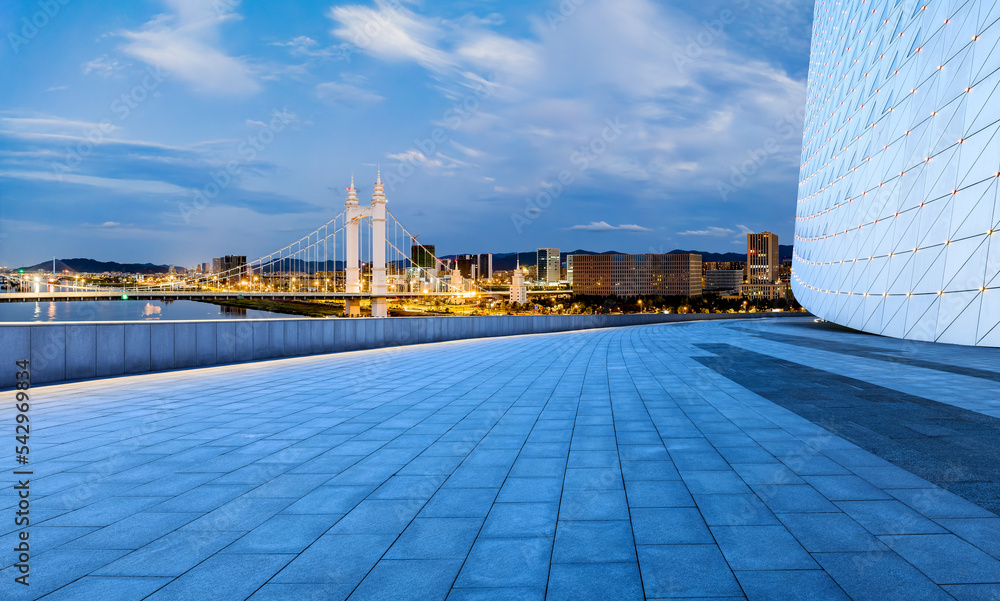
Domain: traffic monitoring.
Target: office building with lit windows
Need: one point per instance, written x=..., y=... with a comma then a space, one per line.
x=900, y=168
x=230, y=268
x=422, y=255
x=548, y=265
x=723, y=281
x=637, y=275
x=762, y=258
x=484, y=266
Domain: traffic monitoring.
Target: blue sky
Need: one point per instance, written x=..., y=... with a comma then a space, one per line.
x=172, y=131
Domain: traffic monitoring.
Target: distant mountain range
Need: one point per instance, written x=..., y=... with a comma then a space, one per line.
x=92, y=266
x=501, y=262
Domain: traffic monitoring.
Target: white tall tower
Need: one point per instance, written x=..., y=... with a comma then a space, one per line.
x=351, y=263
x=518, y=291
x=379, y=306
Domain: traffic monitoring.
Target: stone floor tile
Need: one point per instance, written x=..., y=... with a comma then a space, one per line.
x=878, y=576
x=734, y=510
x=506, y=562
x=761, y=548
x=673, y=526
x=522, y=520
x=945, y=558
x=224, y=577
x=108, y=588
x=414, y=579
x=790, y=585
x=594, y=542
x=829, y=532
x=658, y=493
x=689, y=571
x=596, y=581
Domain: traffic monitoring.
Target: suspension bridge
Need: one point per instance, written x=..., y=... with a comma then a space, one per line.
x=356, y=256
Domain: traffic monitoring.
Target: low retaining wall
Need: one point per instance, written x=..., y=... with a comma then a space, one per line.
x=79, y=350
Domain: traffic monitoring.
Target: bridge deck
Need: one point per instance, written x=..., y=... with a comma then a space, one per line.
x=12, y=297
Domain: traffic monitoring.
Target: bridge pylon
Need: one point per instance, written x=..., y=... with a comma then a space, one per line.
x=380, y=307
x=353, y=285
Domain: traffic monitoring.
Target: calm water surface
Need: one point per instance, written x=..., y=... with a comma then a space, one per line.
x=125, y=311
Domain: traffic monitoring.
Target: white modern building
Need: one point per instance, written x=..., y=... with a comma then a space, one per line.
x=900, y=168
x=518, y=289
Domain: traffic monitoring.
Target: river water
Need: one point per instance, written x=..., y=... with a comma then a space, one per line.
x=124, y=311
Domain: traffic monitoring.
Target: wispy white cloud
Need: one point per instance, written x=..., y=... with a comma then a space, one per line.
x=391, y=32
x=118, y=171
x=51, y=124
x=604, y=226
x=305, y=46
x=438, y=160
x=119, y=185
x=345, y=93
x=184, y=43
x=106, y=225
x=471, y=152
x=736, y=234
x=709, y=231
x=103, y=66
x=688, y=119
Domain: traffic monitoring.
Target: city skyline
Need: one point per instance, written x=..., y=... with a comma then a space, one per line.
x=300, y=102
x=485, y=299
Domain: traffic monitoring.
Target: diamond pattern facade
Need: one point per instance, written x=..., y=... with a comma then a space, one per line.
x=897, y=209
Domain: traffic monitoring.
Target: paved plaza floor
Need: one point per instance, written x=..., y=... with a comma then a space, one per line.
x=762, y=459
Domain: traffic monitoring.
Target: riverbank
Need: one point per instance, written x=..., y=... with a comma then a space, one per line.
x=303, y=309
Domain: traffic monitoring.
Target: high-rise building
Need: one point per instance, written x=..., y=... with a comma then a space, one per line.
x=764, y=291
x=547, y=265
x=723, y=281
x=762, y=258
x=484, y=266
x=569, y=269
x=231, y=268
x=637, y=275
x=422, y=255
x=518, y=291
x=729, y=265
x=466, y=265
x=898, y=174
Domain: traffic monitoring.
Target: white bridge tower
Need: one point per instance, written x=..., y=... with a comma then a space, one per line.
x=354, y=214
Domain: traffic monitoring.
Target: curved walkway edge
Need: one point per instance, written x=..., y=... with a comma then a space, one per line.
x=66, y=351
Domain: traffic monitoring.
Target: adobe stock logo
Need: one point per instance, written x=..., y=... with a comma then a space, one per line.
x=583, y=158
x=30, y=26
x=122, y=107
x=786, y=131
x=248, y=150
x=710, y=31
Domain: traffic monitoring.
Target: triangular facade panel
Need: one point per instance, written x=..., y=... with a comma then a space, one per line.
x=899, y=208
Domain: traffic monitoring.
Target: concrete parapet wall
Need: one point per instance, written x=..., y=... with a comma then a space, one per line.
x=62, y=351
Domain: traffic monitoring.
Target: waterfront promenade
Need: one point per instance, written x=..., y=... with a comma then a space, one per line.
x=761, y=459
